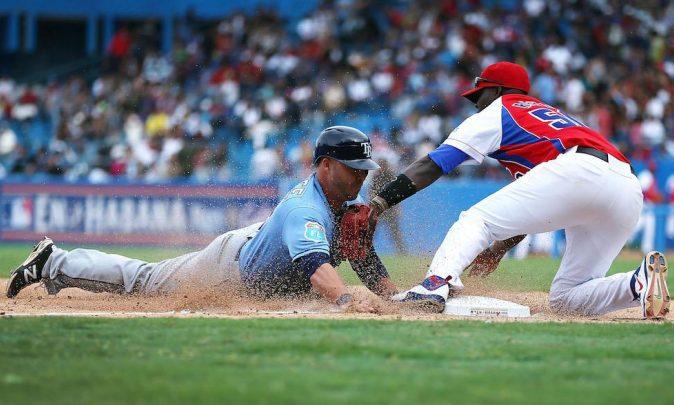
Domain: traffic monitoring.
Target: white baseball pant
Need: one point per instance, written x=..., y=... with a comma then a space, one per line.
x=213, y=267
x=595, y=202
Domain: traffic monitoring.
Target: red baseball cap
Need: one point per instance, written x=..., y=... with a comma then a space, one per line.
x=499, y=74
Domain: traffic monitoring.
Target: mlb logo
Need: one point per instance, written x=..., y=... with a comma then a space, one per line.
x=19, y=214
x=315, y=232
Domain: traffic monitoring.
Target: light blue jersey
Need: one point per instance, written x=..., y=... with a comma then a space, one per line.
x=302, y=223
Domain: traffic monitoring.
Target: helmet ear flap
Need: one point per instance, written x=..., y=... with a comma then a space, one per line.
x=318, y=160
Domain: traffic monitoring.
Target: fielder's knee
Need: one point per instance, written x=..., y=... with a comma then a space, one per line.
x=564, y=301
x=472, y=221
x=558, y=303
x=560, y=300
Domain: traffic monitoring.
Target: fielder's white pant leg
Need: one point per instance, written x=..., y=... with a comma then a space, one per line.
x=567, y=192
x=580, y=285
x=98, y=271
x=464, y=241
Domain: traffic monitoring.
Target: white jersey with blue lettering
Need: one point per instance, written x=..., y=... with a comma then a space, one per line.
x=568, y=177
x=522, y=132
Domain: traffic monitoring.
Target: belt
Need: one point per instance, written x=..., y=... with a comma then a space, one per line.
x=248, y=238
x=593, y=152
x=238, y=252
x=596, y=153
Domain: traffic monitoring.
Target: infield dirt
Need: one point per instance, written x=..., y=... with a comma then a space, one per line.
x=34, y=301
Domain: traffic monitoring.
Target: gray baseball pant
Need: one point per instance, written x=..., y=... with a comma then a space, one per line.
x=214, y=267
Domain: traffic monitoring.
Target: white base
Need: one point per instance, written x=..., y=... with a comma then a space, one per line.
x=485, y=306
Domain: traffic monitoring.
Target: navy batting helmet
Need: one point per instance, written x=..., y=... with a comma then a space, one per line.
x=347, y=145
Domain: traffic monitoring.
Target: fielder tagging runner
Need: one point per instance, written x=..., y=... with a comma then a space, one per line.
x=567, y=176
x=297, y=248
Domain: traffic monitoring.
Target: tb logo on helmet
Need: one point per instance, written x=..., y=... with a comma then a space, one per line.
x=367, y=149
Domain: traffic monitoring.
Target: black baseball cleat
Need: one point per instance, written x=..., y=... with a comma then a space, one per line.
x=30, y=271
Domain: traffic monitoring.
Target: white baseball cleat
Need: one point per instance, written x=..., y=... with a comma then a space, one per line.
x=430, y=295
x=650, y=284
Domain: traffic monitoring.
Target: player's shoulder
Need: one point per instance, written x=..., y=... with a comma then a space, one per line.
x=300, y=212
x=521, y=102
x=299, y=192
x=304, y=193
x=304, y=201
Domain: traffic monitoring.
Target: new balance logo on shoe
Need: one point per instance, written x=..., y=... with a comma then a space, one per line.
x=30, y=274
x=30, y=271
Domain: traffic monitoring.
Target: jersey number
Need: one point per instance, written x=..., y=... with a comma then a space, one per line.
x=555, y=119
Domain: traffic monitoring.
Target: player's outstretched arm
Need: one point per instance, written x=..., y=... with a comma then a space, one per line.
x=486, y=262
x=326, y=281
x=417, y=176
x=385, y=288
x=423, y=172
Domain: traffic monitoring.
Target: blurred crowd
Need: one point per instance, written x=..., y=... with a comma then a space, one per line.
x=243, y=98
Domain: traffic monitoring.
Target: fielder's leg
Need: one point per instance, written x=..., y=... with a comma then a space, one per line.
x=540, y=201
x=581, y=285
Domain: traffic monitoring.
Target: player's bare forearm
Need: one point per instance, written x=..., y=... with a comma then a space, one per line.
x=385, y=288
x=486, y=262
x=500, y=247
x=423, y=172
x=326, y=281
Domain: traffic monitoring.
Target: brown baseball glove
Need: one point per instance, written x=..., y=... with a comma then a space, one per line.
x=355, y=240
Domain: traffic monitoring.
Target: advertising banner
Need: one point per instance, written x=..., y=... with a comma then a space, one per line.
x=179, y=215
x=130, y=214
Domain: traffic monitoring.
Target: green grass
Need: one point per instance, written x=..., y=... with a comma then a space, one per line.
x=88, y=360
x=309, y=361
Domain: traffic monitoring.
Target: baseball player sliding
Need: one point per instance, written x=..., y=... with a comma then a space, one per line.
x=567, y=177
x=294, y=251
